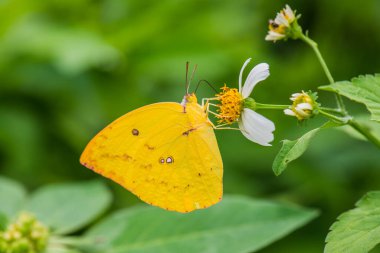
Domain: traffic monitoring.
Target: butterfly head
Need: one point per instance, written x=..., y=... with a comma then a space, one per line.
x=189, y=98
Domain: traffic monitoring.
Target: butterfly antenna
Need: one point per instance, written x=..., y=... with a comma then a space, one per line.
x=187, y=83
x=209, y=84
x=191, y=78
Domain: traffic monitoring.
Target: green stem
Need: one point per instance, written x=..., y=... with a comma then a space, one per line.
x=365, y=132
x=71, y=241
x=346, y=119
x=340, y=120
x=354, y=124
x=314, y=46
x=332, y=110
x=270, y=106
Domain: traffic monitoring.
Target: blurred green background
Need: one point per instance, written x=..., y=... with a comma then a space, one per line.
x=70, y=67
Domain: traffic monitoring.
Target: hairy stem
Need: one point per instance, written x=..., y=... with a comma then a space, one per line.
x=341, y=120
x=348, y=120
x=314, y=46
x=270, y=106
x=365, y=132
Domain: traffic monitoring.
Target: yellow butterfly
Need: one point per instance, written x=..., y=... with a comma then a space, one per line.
x=165, y=153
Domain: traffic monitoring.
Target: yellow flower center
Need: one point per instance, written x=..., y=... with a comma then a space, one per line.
x=273, y=26
x=301, y=99
x=230, y=105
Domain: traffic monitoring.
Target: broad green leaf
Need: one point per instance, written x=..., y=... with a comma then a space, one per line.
x=3, y=221
x=69, y=207
x=237, y=224
x=363, y=89
x=291, y=150
x=358, y=230
x=12, y=197
x=61, y=249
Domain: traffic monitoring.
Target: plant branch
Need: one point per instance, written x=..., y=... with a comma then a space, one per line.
x=365, y=132
x=314, y=46
x=270, y=106
x=341, y=120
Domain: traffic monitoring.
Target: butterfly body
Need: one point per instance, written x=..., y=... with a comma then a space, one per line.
x=165, y=153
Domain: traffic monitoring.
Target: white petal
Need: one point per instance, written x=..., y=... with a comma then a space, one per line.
x=256, y=127
x=301, y=112
x=274, y=36
x=289, y=12
x=295, y=96
x=241, y=73
x=281, y=20
x=258, y=73
x=289, y=112
x=305, y=106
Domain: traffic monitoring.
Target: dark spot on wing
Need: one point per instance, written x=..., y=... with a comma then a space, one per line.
x=186, y=133
x=135, y=132
x=149, y=147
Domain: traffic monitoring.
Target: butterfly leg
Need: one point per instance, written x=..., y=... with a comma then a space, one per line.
x=207, y=100
x=222, y=127
x=206, y=106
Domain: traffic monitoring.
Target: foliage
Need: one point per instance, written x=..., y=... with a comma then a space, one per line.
x=12, y=197
x=363, y=89
x=67, y=207
x=70, y=67
x=63, y=208
x=239, y=224
x=357, y=230
x=292, y=150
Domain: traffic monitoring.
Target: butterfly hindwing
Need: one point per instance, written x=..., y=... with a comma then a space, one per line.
x=168, y=157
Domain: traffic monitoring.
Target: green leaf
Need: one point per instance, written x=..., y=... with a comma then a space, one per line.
x=291, y=150
x=61, y=249
x=237, y=224
x=358, y=230
x=363, y=89
x=3, y=221
x=12, y=197
x=69, y=207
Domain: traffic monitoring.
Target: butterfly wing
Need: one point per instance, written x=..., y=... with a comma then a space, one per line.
x=166, y=156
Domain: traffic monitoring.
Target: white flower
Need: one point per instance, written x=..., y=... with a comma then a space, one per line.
x=279, y=27
x=233, y=107
x=253, y=125
x=303, y=105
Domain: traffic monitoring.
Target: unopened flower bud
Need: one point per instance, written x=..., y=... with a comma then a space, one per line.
x=26, y=234
x=304, y=105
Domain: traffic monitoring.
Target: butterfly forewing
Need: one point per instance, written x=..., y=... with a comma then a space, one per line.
x=167, y=157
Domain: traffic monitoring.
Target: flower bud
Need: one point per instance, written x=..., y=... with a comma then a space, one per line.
x=304, y=105
x=26, y=234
